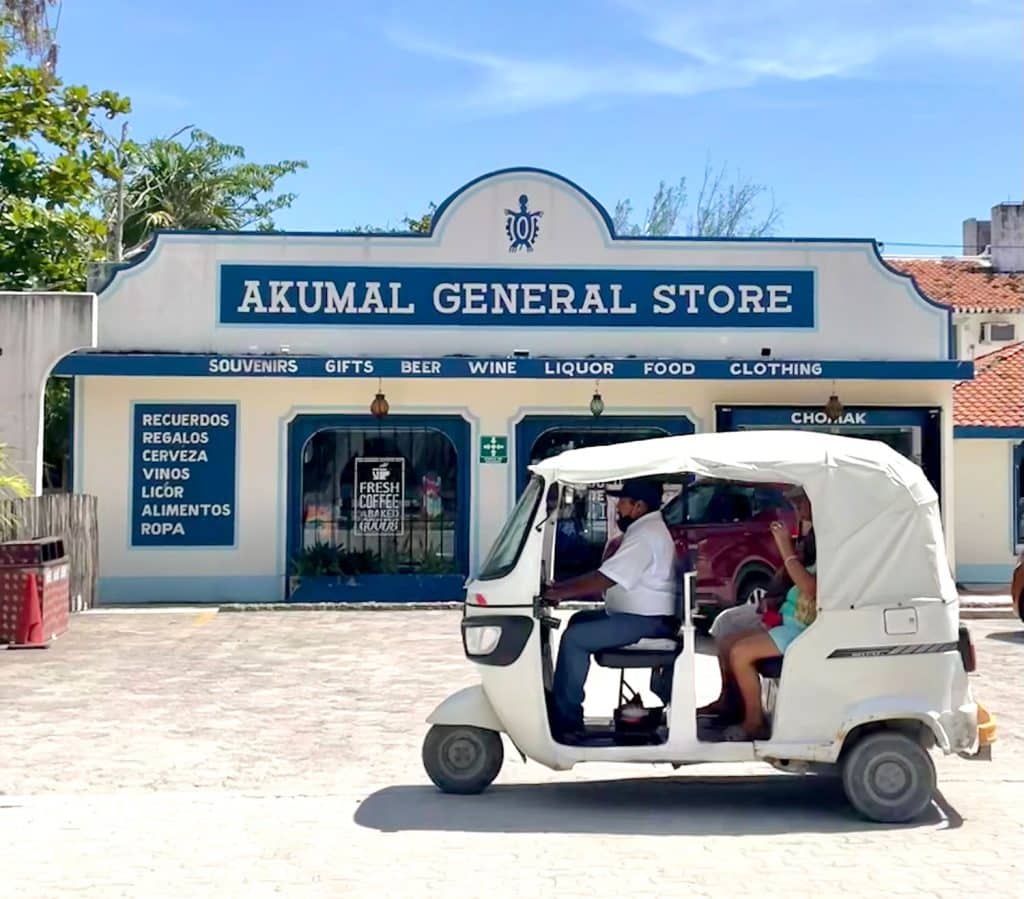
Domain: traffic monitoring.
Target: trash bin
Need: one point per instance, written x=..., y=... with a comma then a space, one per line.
x=45, y=560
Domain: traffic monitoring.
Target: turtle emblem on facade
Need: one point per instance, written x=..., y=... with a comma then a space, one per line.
x=522, y=226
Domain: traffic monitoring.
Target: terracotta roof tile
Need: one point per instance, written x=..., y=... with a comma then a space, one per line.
x=995, y=398
x=964, y=285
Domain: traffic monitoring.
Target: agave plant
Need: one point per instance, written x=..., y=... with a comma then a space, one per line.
x=13, y=485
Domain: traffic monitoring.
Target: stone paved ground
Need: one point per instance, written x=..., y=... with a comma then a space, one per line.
x=277, y=754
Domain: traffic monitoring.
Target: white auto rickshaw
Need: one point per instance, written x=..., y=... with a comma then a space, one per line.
x=865, y=692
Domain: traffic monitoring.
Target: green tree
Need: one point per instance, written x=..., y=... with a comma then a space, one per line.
x=723, y=209
x=200, y=183
x=56, y=431
x=419, y=225
x=52, y=160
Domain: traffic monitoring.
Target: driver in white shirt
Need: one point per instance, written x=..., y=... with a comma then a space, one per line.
x=640, y=598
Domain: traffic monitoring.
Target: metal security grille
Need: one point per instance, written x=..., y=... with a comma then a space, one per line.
x=427, y=540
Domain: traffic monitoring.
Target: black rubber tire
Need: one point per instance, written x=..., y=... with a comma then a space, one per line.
x=889, y=777
x=462, y=759
x=752, y=581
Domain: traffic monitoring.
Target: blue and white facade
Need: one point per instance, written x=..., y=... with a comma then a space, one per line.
x=224, y=421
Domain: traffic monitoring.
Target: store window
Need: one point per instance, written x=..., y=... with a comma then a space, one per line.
x=379, y=501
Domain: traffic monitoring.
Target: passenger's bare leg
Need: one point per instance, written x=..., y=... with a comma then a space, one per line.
x=728, y=696
x=744, y=657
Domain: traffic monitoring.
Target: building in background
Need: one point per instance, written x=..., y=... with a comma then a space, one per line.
x=985, y=290
x=265, y=409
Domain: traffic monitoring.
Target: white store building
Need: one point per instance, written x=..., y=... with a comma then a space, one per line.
x=224, y=421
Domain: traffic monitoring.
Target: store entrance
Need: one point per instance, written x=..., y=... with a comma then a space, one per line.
x=378, y=511
x=583, y=526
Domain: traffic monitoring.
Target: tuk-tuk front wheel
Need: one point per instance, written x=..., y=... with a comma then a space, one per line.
x=889, y=777
x=462, y=759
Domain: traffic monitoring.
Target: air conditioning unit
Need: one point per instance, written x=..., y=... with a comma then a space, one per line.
x=998, y=332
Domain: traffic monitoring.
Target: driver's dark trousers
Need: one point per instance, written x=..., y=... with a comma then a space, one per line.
x=588, y=632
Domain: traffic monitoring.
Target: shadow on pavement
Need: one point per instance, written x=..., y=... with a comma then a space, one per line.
x=1008, y=636
x=672, y=806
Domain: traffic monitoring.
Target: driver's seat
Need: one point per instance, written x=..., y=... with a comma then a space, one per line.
x=649, y=652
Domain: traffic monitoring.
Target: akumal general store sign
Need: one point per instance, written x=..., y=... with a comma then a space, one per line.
x=518, y=297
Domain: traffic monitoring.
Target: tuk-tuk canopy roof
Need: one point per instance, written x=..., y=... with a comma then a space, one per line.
x=876, y=517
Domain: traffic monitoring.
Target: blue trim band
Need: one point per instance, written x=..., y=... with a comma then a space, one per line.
x=985, y=574
x=187, y=365
x=973, y=432
x=190, y=589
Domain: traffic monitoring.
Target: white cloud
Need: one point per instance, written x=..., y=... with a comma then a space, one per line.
x=701, y=48
x=506, y=83
x=802, y=40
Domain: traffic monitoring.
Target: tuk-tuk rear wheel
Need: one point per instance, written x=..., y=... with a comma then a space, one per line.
x=889, y=777
x=462, y=759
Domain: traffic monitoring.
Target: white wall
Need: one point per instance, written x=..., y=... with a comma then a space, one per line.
x=103, y=461
x=968, y=333
x=984, y=510
x=36, y=331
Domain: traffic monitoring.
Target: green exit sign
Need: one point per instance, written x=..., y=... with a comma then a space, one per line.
x=494, y=449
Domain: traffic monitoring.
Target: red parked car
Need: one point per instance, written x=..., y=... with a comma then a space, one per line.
x=724, y=524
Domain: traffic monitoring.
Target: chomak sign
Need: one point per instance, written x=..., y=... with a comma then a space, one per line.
x=496, y=297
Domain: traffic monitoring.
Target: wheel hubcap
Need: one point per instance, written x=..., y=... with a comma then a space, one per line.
x=755, y=595
x=461, y=754
x=890, y=779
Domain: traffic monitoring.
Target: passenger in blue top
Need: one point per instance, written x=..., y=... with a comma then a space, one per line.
x=798, y=612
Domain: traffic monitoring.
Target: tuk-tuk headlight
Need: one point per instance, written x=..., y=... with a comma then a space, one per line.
x=482, y=641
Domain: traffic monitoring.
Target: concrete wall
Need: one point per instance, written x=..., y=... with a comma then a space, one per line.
x=36, y=330
x=1008, y=237
x=984, y=511
x=977, y=236
x=254, y=570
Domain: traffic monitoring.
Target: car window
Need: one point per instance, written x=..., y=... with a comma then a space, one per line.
x=721, y=504
x=673, y=511
x=766, y=498
x=697, y=500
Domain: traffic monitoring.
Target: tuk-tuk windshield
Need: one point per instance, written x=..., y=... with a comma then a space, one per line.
x=506, y=549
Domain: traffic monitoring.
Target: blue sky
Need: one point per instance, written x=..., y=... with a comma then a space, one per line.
x=893, y=120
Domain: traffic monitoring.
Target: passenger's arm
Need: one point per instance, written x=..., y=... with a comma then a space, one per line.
x=806, y=582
